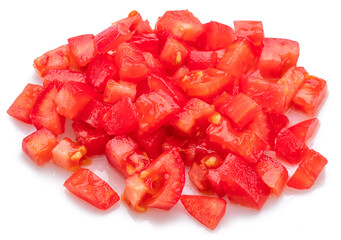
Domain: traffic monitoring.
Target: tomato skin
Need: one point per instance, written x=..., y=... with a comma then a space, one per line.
x=92, y=189
x=62, y=76
x=252, y=30
x=174, y=54
x=93, y=113
x=38, y=146
x=218, y=36
x=147, y=42
x=305, y=130
x=22, y=106
x=82, y=48
x=117, y=90
x=207, y=210
x=308, y=170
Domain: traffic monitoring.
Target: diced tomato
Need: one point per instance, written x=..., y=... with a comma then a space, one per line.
x=92, y=189
x=143, y=27
x=310, y=95
x=117, y=90
x=181, y=24
x=63, y=75
x=121, y=118
x=94, y=139
x=174, y=54
x=132, y=21
x=260, y=126
x=252, y=30
x=123, y=154
x=22, y=106
x=68, y=154
x=152, y=142
x=200, y=60
x=277, y=56
x=44, y=113
x=273, y=174
x=130, y=63
x=38, y=146
x=276, y=123
x=308, y=170
x=146, y=42
x=207, y=210
x=218, y=36
x=159, y=185
x=73, y=97
x=82, y=48
x=154, y=109
x=93, y=113
x=221, y=101
x=153, y=63
x=305, y=130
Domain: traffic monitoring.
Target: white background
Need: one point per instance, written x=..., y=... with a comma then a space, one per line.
x=33, y=201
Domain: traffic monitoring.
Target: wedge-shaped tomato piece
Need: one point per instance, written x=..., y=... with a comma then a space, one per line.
x=100, y=70
x=310, y=94
x=117, y=90
x=273, y=174
x=207, y=210
x=241, y=182
x=305, y=130
x=238, y=58
x=123, y=154
x=22, y=106
x=277, y=56
x=218, y=36
x=154, y=110
x=93, y=113
x=110, y=38
x=94, y=139
x=121, y=118
x=245, y=143
x=63, y=75
x=67, y=154
x=252, y=30
x=38, y=146
x=147, y=42
x=88, y=186
x=131, y=22
x=143, y=27
x=153, y=63
x=130, y=63
x=73, y=97
x=308, y=170
x=152, y=143
x=44, y=113
x=174, y=54
x=290, y=147
x=195, y=113
x=200, y=60
x=181, y=24
x=159, y=185
x=260, y=126
x=82, y=48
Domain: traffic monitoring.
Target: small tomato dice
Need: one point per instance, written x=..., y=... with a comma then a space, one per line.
x=62, y=76
x=132, y=21
x=174, y=54
x=201, y=60
x=276, y=123
x=117, y=90
x=93, y=112
x=252, y=30
x=305, y=130
x=259, y=125
x=152, y=143
x=38, y=145
x=143, y=27
x=147, y=42
x=92, y=189
x=218, y=35
x=82, y=48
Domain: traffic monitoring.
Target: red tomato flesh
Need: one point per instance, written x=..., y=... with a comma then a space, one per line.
x=82, y=48
x=305, y=130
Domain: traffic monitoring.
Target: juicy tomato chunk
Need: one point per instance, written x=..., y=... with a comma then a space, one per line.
x=123, y=154
x=181, y=24
x=38, y=146
x=143, y=27
x=130, y=63
x=22, y=106
x=252, y=30
x=147, y=42
x=174, y=54
x=260, y=126
x=200, y=60
x=154, y=110
x=121, y=118
x=310, y=95
x=62, y=76
x=305, y=130
x=159, y=185
x=82, y=48
x=273, y=174
x=218, y=35
x=277, y=56
x=153, y=63
x=93, y=113
x=152, y=143
x=92, y=189
x=117, y=90
x=308, y=170
x=68, y=154
x=207, y=210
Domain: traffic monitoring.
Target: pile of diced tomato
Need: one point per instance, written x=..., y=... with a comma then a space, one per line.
x=206, y=96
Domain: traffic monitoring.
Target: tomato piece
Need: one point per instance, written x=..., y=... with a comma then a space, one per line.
x=207, y=210
x=88, y=186
x=305, y=130
x=73, y=97
x=276, y=122
x=94, y=139
x=154, y=110
x=152, y=143
x=117, y=90
x=38, y=146
x=132, y=21
x=153, y=63
x=121, y=118
x=273, y=174
x=100, y=70
x=143, y=27
x=200, y=60
x=308, y=170
x=310, y=95
x=146, y=42
x=22, y=106
x=63, y=75
x=277, y=56
x=218, y=35
x=130, y=63
x=241, y=182
x=44, y=113
x=68, y=154
x=260, y=126
x=93, y=113
x=110, y=38
x=252, y=30
x=82, y=48
x=159, y=185
x=123, y=154
x=181, y=24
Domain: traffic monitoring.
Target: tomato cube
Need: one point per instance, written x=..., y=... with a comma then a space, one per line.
x=117, y=90
x=174, y=54
x=218, y=36
x=132, y=21
x=305, y=130
x=252, y=30
x=147, y=42
x=276, y=123
x=201, y=60
x=152, y=143
x=143, y=27
x=82, y=48
x=260, y=126
x=62, y=76
x=93, y=113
